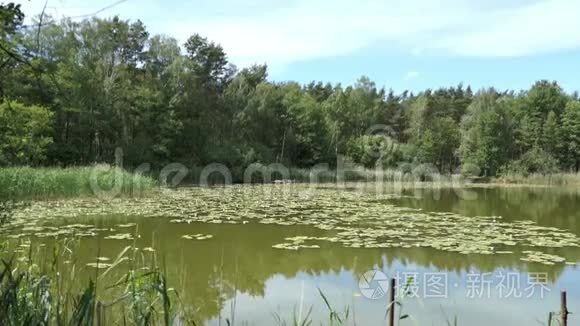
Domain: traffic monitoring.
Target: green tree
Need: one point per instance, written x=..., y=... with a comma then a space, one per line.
x=487, y=133
x=370, y=150
x=209, y=59
x=571, y=135
x=533, y=110
x=545, y=97
x=265, y=108
x=25, y=133
x=438, y=144
x=550, y=139
x=11, y=19
x=107, y=83
x=337, y=116
x=391, y=112
x=306, y=140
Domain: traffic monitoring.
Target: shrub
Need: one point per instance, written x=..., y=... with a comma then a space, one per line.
x=535, y=161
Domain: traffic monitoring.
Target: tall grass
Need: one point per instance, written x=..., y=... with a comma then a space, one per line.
x=28, y=183
x=260, y=173
x=360, y=174
x=418, y=175
x=36, y=291
x=556, y=179
x=331, y=176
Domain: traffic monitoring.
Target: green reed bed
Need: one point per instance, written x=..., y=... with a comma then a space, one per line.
x=35, y=290
x=423, y=175
x=28, y=182
x=359, y=174
x=556, y=179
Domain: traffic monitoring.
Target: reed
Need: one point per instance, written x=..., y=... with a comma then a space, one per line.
x=38, y=291
x=47, y=183
x=556, y=179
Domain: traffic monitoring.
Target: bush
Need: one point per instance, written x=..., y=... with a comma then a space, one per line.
x=535, y=161
x=369, y=149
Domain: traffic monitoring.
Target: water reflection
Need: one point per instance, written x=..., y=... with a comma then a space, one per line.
x=546, y=206
x=241, y=261
x=238, y=273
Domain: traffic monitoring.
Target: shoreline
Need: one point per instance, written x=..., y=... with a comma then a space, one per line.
x=48, y=183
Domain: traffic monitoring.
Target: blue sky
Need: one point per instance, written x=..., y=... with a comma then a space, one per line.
x=400, y=44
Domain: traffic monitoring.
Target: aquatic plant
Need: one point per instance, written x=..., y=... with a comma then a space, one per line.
x=198, y=236
x=354, y=219
x=43, y=183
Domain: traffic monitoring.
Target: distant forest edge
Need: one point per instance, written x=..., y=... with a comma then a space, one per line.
x=72, y=92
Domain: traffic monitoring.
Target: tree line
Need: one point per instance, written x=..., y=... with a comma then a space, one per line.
x=72, y=92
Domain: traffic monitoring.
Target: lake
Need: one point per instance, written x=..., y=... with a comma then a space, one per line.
x=253, y=254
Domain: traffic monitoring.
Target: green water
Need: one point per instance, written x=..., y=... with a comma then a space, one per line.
x=237, y=274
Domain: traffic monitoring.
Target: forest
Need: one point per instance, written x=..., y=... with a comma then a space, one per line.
x=73, y=91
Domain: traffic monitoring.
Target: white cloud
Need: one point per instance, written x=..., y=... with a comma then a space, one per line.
x=310, y=30
x=295, y=30
x=540, y=27
x=411, y=75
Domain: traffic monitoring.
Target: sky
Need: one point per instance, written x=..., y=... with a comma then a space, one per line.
x=399, y=44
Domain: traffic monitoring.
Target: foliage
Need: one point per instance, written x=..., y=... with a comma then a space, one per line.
x=11, y=19
x=24, y=133
x=100, y=84
x=438, y=144
x=534, y=161
x=487, y=130
x=370, y=150
x=571, y=136
x=550, y=137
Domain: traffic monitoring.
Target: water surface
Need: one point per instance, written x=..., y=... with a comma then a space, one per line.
x=239, y=274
